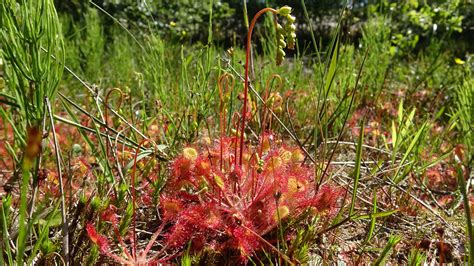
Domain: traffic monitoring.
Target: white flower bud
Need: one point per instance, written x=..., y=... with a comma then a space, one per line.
x=291, y=19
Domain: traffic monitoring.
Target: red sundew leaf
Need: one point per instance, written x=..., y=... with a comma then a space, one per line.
x=266, y=141
x=272, y=162
x=97, y=239
x=262, y=214
x=92, y=233
x=190, y=222
x=440, y=177
x=180, y=234
x=182, y=171
x=182, y=168
x=199, y=242
x=110, y=215
x=266, y=190
x=202, y=166
x=327, y=197
x=434, y=176
x=325, y=200
x=245, y=241
x=171, y=208
x=199, y=214
x=213, y=221
x=194, y=222
x=446, y=200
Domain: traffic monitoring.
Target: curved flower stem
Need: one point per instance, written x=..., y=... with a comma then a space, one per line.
x=106, y=113
x=246, y=84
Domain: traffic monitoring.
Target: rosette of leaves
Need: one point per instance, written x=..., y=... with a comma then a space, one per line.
x=228, y=211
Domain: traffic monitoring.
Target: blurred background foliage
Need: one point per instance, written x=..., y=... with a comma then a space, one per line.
x=413, y=23
x=413, y=44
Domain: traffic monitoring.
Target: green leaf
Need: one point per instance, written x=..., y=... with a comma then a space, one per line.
x=400, y=112
x=373, y=220
x=140, y=156
x=4, y=211
x=375, y=215
x=332, y=67
x=52, y=220
x=357, y=167
x=396, y=178
x=126, y=220
x=392, y=241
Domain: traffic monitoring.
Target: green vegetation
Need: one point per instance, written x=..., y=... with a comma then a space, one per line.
x=140, y=133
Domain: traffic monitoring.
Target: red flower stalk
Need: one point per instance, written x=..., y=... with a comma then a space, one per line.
x=289, y=30
x=246, y=82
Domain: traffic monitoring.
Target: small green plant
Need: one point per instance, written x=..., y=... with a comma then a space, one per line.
x=34, y=53
x=31, y=38
x=464, y=110
x=376, y=39
x=92, y=45
x=401, y=129
x=416, y=257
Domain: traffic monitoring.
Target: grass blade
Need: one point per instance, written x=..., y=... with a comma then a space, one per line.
x=370, y=233
x=392, y=241
x=416, y=138
x=467, y=211
x=357, y=167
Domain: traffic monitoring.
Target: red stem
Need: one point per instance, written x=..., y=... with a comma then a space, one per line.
x=106, y=116
x=246, y=84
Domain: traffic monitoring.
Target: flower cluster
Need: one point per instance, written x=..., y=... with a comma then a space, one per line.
x=287, y=32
